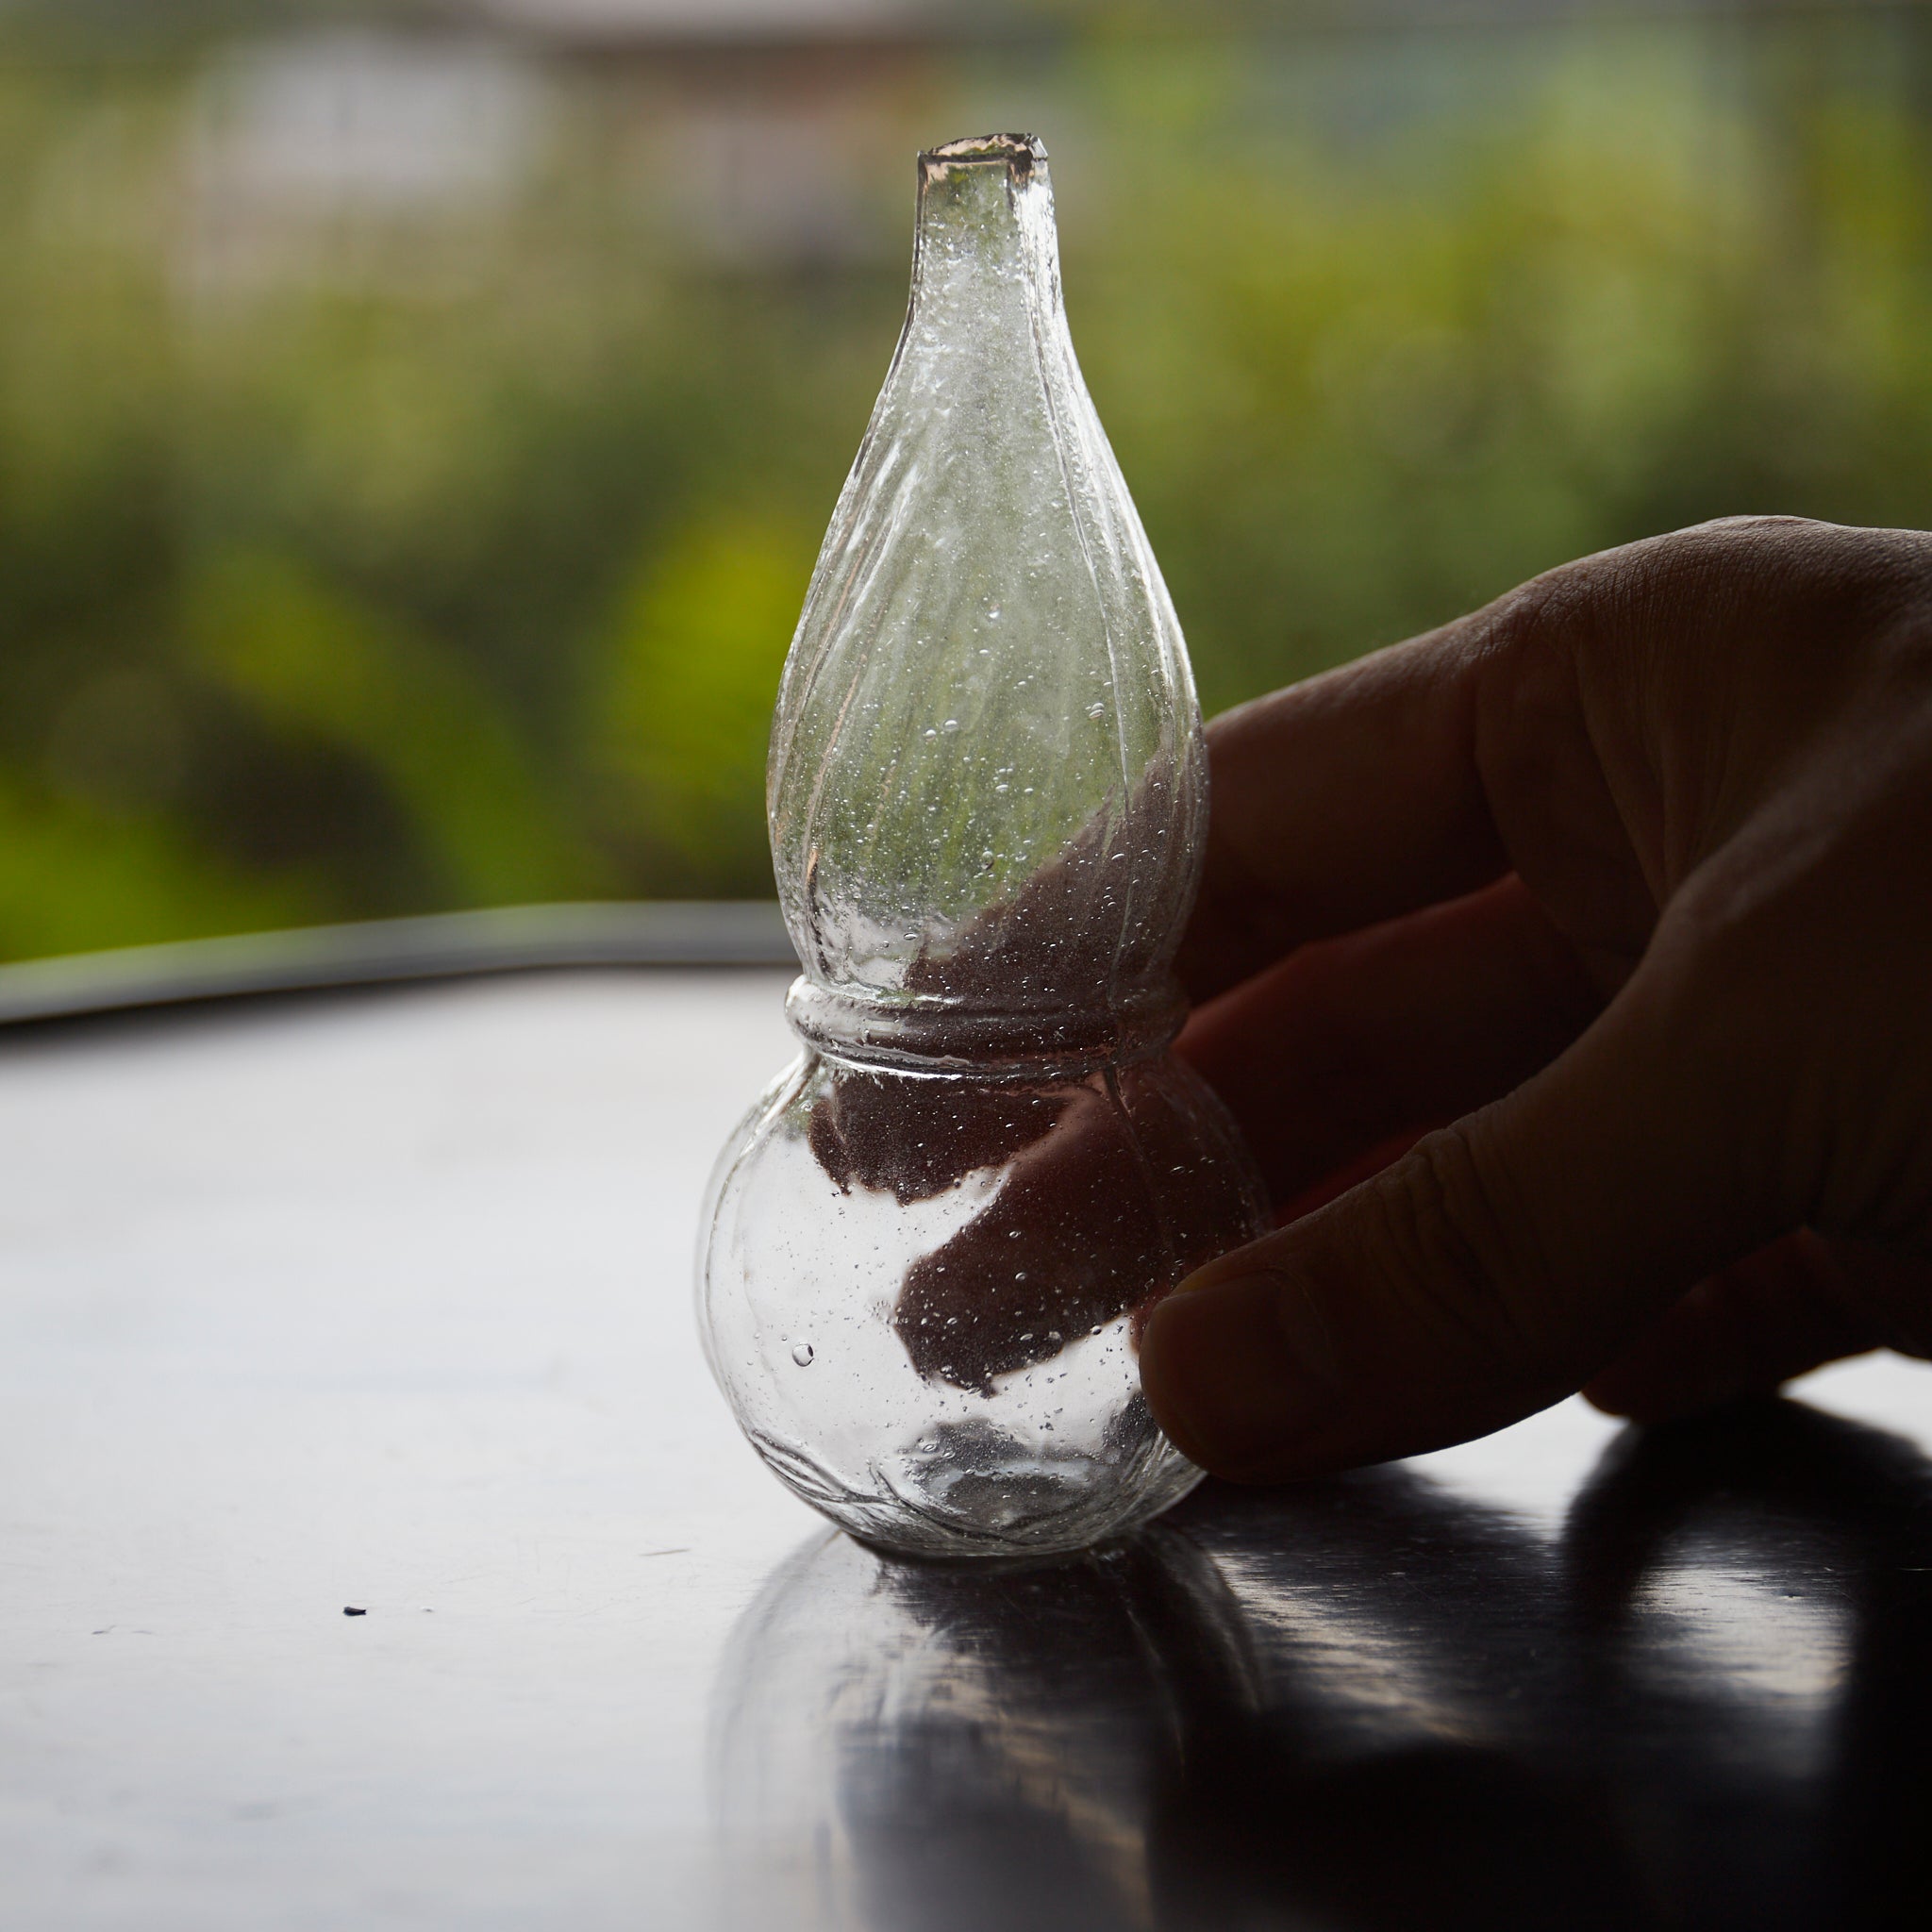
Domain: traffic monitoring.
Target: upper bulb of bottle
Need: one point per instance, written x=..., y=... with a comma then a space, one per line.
x=986, y=785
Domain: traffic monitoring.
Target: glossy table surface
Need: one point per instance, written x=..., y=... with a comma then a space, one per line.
x=381, y=1301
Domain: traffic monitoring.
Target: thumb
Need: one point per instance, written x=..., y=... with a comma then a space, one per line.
x=1493, y=1269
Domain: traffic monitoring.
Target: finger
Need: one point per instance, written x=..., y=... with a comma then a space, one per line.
x=1351, y=1173
x=1780, y=1312
x=1340, y=803
x=1892, y=1286
x=1493, y=1269
x=1351, y=1042
x=1060, y=1249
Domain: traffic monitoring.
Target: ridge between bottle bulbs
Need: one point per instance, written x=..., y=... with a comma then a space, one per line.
x=929, y=1037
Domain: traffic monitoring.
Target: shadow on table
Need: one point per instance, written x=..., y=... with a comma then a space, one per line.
x=1366, y=1702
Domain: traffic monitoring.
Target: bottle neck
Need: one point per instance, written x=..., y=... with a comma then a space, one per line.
x=985, y=252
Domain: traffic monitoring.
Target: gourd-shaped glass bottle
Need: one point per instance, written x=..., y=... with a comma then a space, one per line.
x=930, y=1247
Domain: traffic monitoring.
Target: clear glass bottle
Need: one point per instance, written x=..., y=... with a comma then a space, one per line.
x=930, y=1247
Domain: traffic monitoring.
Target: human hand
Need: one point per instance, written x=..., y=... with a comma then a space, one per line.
x=1623, y=887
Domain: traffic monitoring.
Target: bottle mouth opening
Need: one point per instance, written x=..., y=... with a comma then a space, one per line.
x=1020, y=154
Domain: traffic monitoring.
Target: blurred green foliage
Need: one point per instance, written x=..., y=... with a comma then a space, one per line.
x=369, y=548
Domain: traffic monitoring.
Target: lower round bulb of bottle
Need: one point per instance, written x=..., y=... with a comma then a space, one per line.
x=923, y=1292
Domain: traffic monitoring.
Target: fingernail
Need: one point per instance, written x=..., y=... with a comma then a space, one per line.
x=1240, y=1372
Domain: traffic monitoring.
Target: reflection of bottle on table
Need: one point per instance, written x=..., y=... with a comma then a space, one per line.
x=911, y=1747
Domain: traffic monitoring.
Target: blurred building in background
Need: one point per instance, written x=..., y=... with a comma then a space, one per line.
x=749, y=132
x=417, y=422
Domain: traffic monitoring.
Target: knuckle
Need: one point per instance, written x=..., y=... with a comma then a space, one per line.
x=1830, y=575
x=1450, y=1259
x=1547, y=612
x=1722, y=988
x=1753, y=528
x=1711, y=571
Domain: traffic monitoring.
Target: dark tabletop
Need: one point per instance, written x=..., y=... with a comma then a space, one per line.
x=381, y=1302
